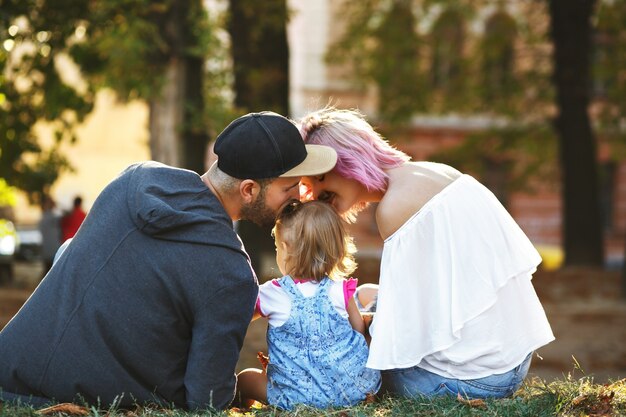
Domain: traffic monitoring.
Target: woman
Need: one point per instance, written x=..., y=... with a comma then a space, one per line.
x=456, y=311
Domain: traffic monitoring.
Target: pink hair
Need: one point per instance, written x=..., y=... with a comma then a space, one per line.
x=362, y=153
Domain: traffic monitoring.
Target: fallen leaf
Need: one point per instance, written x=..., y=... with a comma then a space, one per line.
x=67, y=408
x=369, y=398
x=263, y=359
x=604, y=407
x=257, y=405
x=471, y=403
x=236, y=411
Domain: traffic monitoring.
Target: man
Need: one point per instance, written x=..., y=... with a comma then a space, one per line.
x=151, y=300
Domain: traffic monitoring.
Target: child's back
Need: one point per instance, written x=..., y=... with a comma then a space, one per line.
x=317, y=348
x=316, y=357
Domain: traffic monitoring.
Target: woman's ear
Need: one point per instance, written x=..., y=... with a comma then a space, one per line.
x=249, y=189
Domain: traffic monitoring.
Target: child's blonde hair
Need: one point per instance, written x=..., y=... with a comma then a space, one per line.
x=318, y=244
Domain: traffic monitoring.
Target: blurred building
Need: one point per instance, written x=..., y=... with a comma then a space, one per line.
x=315, y=26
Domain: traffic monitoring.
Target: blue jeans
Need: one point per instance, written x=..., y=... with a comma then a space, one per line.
x=415, y=381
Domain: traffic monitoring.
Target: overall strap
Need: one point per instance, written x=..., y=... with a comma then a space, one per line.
x=325, y=305
x=287, y=284
x=324, y=287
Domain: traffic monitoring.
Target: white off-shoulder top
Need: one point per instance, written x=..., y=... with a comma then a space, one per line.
x=455, y=294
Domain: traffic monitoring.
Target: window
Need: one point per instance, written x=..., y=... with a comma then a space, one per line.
x=448, y=36
x=498, y=55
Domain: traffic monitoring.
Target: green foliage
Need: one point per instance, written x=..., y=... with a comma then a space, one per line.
x=424, y=59
x=522, y=153
x=7, y=194
x=609, y=71
x=380, y=45
x=33, y=36
x=124, y=45
x=498, y=82
x=396, y=65
x=129, y=45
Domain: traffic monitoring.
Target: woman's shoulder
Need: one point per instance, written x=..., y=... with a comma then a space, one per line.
x=410, y=188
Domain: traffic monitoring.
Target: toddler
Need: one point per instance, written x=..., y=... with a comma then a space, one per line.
x=317, y=350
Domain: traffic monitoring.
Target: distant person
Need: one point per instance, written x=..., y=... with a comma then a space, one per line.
x=316, y=343
x=73, y=219
x=50, y=229
x=457, y=313
x=151, y=300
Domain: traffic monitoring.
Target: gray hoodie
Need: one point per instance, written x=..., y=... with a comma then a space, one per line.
x=149, y=303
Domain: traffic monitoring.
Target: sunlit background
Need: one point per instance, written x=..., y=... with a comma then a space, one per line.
x=90, y=87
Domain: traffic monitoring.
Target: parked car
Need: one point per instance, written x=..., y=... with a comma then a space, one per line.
x=8, y=246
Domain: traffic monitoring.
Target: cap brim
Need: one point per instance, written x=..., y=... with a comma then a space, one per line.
x=320, y=159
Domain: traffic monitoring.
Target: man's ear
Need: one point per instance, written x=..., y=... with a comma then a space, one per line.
x=249, y=189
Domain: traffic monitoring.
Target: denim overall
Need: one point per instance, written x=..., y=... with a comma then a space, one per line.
x=316, y=358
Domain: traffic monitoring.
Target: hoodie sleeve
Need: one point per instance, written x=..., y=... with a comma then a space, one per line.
x=217, y=338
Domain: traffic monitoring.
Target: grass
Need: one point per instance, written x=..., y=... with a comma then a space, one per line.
x=565, y=397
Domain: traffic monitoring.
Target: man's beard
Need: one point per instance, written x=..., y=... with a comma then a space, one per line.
x=258, y=212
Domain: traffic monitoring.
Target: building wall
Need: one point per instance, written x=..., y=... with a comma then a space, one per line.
x=314, y=27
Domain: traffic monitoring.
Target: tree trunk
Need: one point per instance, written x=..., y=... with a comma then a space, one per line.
x=260, y=54
x=261, y=66
x=166, y=117
x=177, y=135
x=195, y=132
x=582, y=227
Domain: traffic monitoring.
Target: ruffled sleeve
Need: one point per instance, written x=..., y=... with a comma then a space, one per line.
x=257, y=307
x=270, y=295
